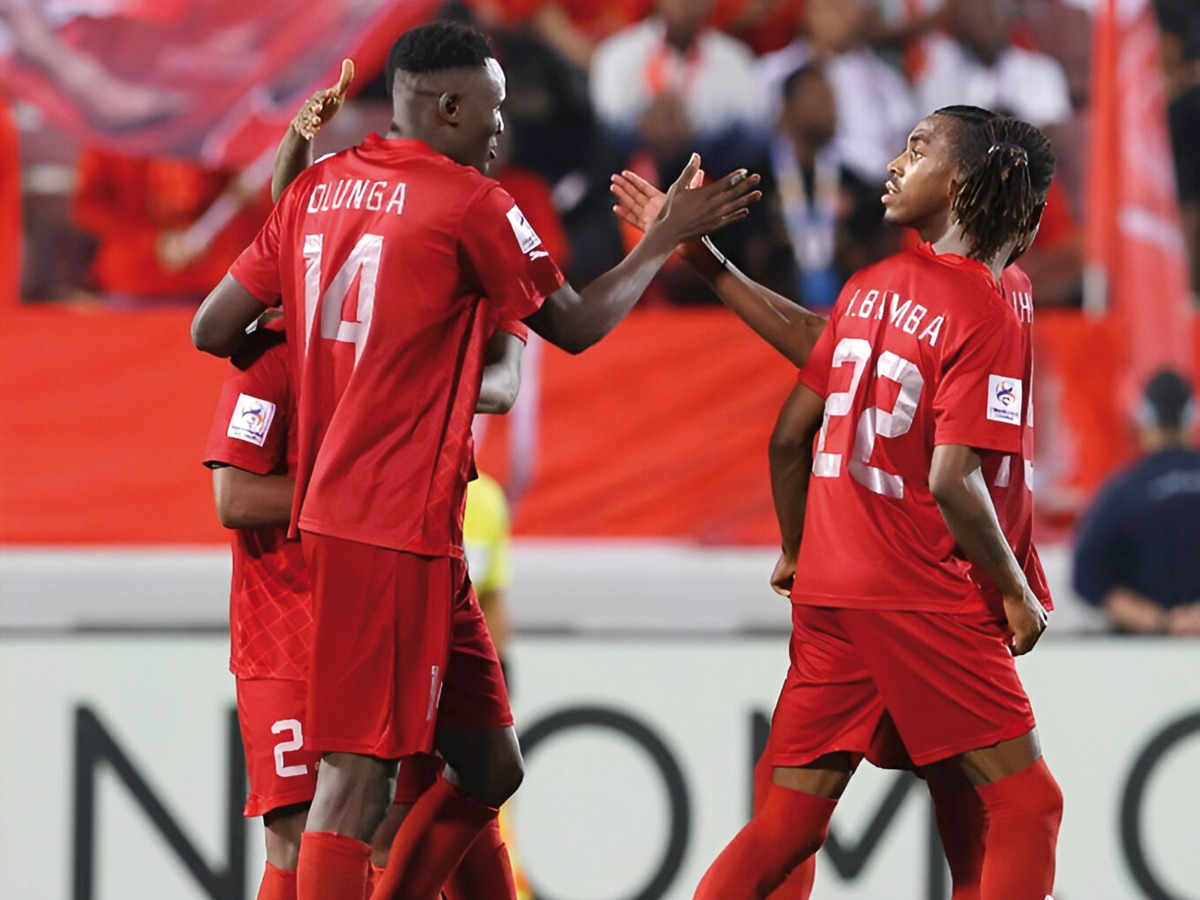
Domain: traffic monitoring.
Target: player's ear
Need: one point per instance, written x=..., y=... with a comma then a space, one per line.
x=449, y=106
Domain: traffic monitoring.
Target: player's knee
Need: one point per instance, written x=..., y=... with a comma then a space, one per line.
x=1049, y=800
x=1032, y=795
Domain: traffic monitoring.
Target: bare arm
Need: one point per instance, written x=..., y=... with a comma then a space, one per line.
x=576, y=320
x=957, y=484
x=790, y=454
x=501, y=374
x=786, y=326
x=246, y=500
x=220, y=324
x=295, y=151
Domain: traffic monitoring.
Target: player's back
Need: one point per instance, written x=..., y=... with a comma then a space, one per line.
x=922, y=349
x=254, y=429
x=386, y=253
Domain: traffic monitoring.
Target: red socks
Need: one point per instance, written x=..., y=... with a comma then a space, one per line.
x=485, y=873
x=442, y=824
x=799, y=884
x=1023, y=814
x=959, y=814
x=790, y=828
x=277, y=884
x=332, y=867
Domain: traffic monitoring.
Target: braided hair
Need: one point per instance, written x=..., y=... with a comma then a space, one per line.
x=1007, y=166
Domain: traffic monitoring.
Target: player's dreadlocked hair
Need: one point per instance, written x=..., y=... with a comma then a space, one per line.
x=1007, y=165
x=436, y=46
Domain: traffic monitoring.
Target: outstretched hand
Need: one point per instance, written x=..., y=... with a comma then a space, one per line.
x=638, y=201
x=323, y=105
x=689, y=212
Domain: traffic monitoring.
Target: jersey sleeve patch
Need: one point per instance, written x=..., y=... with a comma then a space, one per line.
x=1004, y=399
x=251, y=419
x=526, y=237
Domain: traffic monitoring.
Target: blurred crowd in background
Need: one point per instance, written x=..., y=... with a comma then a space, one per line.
x=816, y=95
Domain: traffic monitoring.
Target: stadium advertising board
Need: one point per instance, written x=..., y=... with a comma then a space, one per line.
x=121, y=774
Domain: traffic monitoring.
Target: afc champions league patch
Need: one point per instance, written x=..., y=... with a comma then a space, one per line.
x=251, y=419
x=1004, y=399
x=526, y=236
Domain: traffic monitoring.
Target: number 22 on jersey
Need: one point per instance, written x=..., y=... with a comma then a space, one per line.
x=843, y=443
x=362, y=264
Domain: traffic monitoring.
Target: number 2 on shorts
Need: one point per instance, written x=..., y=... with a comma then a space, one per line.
x=294, y=743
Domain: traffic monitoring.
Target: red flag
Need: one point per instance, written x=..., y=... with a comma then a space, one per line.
x=1136, y=258
x=213, y=80
x=1133, y=229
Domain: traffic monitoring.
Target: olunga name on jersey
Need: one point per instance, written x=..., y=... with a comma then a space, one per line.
x=357, y=193
x=907, y=316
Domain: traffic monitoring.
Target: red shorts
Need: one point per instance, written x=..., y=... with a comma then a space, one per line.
x=946, y=681
x=281, y=768
x=399, y=648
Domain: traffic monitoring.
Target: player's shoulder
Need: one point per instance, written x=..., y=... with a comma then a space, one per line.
x=1014, y=279
x=261, y=363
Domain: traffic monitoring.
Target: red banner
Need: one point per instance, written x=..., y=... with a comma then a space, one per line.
x=212, y=80
x=1136, y=258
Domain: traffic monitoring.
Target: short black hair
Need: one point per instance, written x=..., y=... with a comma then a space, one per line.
x=1168, y=401
x=437, y=46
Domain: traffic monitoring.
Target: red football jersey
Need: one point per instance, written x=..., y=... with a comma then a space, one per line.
x=1010, y=478
x=392, y=262
x=270, y=609
x=922, y=349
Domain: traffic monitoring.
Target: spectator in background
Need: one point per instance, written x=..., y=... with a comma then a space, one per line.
x=833, y=219
x=874, y=103
x=671, y=84
x=1182, y=57
x=1063, y=29
x=763, y=25
x=975, y=62
x=167, y=229
x=1138, y=553
x=571, y=27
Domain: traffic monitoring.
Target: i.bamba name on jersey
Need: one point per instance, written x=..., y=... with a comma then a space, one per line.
x=907, y=316
x=357, y=193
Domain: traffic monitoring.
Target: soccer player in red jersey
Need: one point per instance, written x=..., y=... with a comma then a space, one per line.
x=793, y=331
x=252, y=451
x=917, y=379
x=387, y=258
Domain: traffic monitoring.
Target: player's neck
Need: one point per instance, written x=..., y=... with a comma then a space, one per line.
x=950, y=239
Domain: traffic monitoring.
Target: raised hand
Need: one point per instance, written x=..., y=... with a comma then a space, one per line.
x=638, y=201
x=690, y=212
x=1027, y=618
x=323, y=105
